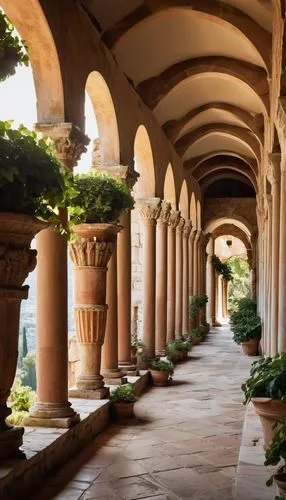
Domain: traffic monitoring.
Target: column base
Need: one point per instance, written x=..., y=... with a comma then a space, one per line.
x=101, y=393
x=10, y=442
x=128, y=368
x=52, y=415
x=114, y=376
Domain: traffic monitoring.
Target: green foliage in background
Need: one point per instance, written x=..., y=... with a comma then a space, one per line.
x=28, y=374
x=222, y=268
x=239, y=286
x=12, y=49
x=276, y=453
x=22, y=398
x=123, y=394
x=197, y=302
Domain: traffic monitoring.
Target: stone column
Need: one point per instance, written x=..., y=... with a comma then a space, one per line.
x=186, y=235
x=179, y=278
x=191, y=261
x=52, y=408
x=274, y=177
x=196, y=263
x=161, y=279
x=224, y=297
x=171, y=278
x=150, y=211
x=211, y=284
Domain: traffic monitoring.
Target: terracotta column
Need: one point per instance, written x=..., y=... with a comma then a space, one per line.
x=179, y=278
x=186, y=236
x=171, y=278
x=211, y=284
x=282, y=264
x=224, y=297
x=161, y=279
x=191, y=261
x=150, y=211
x=196, y=263
x=52, y=408
x=269, y=273
x=274, y=164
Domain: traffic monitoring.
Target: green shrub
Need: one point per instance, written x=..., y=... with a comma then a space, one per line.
x=100, y=199
x=198, y=333
x=267, y=379
x=17, y=417
x=222, y=268
x=197, y=302
x=136, y=342
x=243, y=307
x=22, y=398
x=248, y=327
x=12, y=49
x=276, y=452
x=180, y=345
x=32, y=182
x=162, y=366
x=123, y=394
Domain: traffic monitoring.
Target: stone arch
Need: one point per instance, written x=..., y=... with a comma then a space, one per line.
x=144, y=164
x=235, y=231
x=223, y=161
x=194, y=162
x=169, y=187
x=230, y=173
x=31, y=23
x=236, y=220
x=104, y=110
x=184, y=201
x=193, y=211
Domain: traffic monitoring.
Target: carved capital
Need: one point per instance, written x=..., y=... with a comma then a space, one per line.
x=273, y=171
x=180, y=226
x=205, y=238
x=193, y=234
x=187, y=228
x=164, y=216
x=150, y=209
x=69, y=141
x=122, y=172
x=174, y=218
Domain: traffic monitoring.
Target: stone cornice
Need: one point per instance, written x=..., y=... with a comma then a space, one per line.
x=150, y=209
x=174, y=218
x=69, y=141
x=164, y=216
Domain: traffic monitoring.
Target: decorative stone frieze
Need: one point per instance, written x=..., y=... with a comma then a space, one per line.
x=70, y=142
x=174, y=219
x=150, y=209
x=164, y=216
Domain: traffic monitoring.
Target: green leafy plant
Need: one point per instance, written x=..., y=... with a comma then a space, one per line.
x=267, y=379
x=173, y=354
x=197, y=334
x=222, y=268
x=162, y=366
x=248, y=327
x=197, y=302
x=32, y=181
x=243, y=307
x=100, y=199
x=136, y=342
x=12, y=49
x=276, y=453
x=123, y=394
x=22, y=398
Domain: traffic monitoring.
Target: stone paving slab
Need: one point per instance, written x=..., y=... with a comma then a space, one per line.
x=184, y=443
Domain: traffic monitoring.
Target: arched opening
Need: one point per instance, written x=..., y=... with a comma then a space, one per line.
x=193, y=211
x=169, y=187
x=199, y=215
x=144, y=164
x=184, y=201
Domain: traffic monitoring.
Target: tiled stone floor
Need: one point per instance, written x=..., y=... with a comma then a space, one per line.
x=184, y=444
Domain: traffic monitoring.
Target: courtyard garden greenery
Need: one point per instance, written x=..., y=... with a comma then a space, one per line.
x=123, y=394
x=239, y=286
x=245, y=323
x=162, y=366
x=197, y=302
x=276, y=453
x=267, y=379
x=22, y=398
x=12, y=49
x=222, y=268
x=100, y=199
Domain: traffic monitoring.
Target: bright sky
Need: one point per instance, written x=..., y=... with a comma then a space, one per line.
x=18, y=102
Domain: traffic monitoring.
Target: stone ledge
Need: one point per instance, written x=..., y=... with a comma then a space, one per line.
x=50, y=448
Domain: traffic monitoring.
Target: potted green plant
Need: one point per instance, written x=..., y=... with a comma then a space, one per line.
x=197, y=335
x=276, y=455
x=123, y=399
x=94, y=215
x=136, y=345
x=178, y=349
x=12, y=49
x=266, y=388
x=33, y=186
x=161, y=371
x=247, y=333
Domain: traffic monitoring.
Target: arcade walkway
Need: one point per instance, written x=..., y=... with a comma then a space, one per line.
x=185, y=443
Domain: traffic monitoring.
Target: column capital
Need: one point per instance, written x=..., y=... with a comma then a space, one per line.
x=198, y=235
x=193, y=234
x=164, y=216
x=205, y=238
x=180, y=226
x=150, y=209
x=187, y=228
x=70, y=142
x=174, y=218
x=123, y=172
x=273, y=171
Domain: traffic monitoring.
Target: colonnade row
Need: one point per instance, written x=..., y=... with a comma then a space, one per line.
x=174, y=269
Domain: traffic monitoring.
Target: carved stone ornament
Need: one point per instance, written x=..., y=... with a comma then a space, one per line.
x=122, y=172
x=273, y=171
x=180, y=226
x=187, y=228
x=174, y=218
x=150, y=210
x=70, y=142
x=164, y=216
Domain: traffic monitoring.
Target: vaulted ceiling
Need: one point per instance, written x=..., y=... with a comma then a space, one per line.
x=203, y=67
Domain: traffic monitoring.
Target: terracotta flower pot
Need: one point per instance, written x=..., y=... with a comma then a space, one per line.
x=280, y=480
x=269, y=411
x=250, y=347
x=90, y=254
x=123, y=411
x=159, y=378
x=17, y=260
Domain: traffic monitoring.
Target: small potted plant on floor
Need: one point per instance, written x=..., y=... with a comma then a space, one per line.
x=172, y=352
x=160, y=372
x=246, y=326
x=197, y=335
x=276, y=455
x=94, y=214
x=123, y=399
x=266, y=388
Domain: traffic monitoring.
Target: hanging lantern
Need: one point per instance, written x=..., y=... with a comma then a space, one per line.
x=229, y=243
